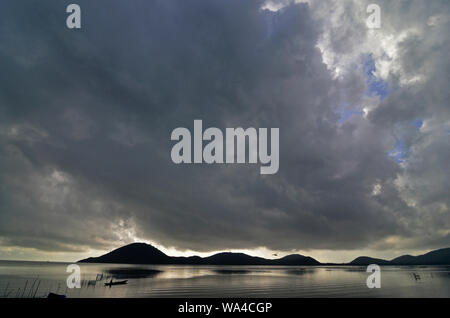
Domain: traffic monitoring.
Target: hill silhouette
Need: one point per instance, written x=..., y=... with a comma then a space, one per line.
x=436, y=257
x=142, y=253
x=366, y=260
x=137, y=253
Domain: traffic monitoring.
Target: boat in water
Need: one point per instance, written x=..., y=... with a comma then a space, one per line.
x=117, y=282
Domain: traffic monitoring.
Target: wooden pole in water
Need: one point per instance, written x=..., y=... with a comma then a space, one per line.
x=24, y=288
x=36, y=289
x=6, y=289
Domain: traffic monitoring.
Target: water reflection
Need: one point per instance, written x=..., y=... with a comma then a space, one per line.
x=132, y=272
x=30, y=279
x=231, y=271
x=300, y=271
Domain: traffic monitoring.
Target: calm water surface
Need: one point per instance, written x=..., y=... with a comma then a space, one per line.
x=37, y=279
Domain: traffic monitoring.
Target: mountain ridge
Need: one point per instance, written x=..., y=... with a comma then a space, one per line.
x=435, y=257
x=142, y=253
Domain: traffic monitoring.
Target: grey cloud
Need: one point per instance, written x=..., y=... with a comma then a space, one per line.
x=87, y=116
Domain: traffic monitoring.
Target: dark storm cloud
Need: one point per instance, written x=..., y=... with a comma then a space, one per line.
x=86, y=118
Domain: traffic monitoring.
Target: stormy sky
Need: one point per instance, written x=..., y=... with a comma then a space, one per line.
x=86, y=117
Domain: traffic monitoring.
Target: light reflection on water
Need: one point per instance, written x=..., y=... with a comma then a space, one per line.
x=28, y=279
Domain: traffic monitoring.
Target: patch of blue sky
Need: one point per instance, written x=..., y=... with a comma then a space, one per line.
x=418, y=123
x=399, y=153
x=346, y=114
x=376, y=86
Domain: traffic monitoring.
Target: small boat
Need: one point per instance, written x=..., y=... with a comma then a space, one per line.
x=117, y=282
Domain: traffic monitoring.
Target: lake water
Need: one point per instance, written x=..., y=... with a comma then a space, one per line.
x=37, y=279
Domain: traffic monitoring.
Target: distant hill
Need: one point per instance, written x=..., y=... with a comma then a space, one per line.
x=365, y=260
x=136, y=253
x=436, y=257
x=141, y=253
x=295, y=259
x=234, y=259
